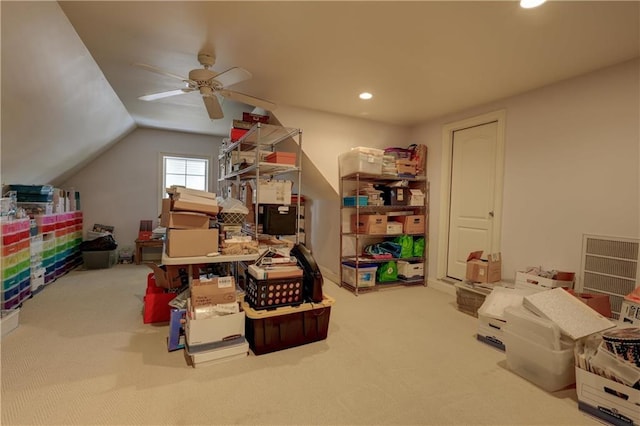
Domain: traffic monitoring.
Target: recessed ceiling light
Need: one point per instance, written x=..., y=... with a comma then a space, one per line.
x=529, y=4
x=365, y=95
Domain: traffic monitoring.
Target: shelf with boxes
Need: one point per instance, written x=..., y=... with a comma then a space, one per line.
x=250, y=169
x=384, y=222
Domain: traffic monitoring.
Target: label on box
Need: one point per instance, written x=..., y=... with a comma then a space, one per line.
x=225, y=282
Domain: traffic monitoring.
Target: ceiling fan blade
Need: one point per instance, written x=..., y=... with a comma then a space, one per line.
x=232, y=76
x=213, y=106
x=249, y=100
x=160, y=95
x=159, y=71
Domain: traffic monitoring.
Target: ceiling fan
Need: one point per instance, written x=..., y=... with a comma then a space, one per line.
x=209, y=83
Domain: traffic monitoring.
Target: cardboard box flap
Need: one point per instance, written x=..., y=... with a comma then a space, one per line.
x=474, y=255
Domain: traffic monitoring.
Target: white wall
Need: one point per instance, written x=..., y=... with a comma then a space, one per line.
x=324, y=137
x=122, y=186
x=571, y=167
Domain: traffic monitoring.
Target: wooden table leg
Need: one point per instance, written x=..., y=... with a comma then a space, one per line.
x=138, y=252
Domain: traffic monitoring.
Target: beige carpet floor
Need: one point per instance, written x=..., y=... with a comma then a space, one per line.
x=82, y=355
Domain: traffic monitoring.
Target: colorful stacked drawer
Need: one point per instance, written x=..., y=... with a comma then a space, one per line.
x=47, y=224
x=37, y=269
x=75, y=238
x=16, y=263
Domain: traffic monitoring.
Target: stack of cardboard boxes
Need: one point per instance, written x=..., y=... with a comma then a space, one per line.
x=186, y=215
x=215, y=322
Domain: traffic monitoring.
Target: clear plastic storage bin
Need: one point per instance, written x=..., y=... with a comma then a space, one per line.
x=549, y=369
x=356, y=161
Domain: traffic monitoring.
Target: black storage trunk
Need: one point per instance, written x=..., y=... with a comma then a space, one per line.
x=294, y=327
x=279, y=219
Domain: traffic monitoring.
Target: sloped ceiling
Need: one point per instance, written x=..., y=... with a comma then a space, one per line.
x=58, y=110
x=69, y=90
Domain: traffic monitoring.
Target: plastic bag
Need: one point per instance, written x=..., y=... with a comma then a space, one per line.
x=388, y=271
x=418, y=247
x=384, y=248
x=406, y=244
x=104, y=243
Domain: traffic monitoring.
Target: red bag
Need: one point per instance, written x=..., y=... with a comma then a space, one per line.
x=419, y=154
x=156, y=303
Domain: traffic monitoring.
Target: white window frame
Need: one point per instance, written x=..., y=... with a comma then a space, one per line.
x=161, y=160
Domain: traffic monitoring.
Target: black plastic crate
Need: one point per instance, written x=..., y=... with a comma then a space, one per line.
x=270, y=294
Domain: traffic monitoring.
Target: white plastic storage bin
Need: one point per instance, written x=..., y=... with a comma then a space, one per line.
x=551, y=370
x=9, y=320
x=356, y=161
x=366, y=275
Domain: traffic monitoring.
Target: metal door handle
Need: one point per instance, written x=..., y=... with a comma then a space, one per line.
x=491, y=214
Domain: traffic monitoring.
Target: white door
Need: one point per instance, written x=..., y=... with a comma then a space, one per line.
x=473, y=186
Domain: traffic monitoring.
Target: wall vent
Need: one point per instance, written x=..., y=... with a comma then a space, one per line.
x=610, y=265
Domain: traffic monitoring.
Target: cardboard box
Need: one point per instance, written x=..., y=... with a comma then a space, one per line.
x=491, y=331
x=629, y=313
x=235, y=134
x=189, y=205
x=212, y=291
x=170, y=276
x=407, y=167
x=531, y=281
x=605, y=399
x=164, y=214
x=187, y=220
x=214, y=329
x=180, y=191
x=481, y=271
x=369, y=224
x=416, y=197
x=598, y=302
x=191, y=242
x=271, y=191
x=412, y=224
x=282, y=158
x=394, y=227
x=410, y=270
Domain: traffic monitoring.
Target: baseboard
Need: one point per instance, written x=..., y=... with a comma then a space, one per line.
x=436, y=284
x=441, y=286
x=329, y=275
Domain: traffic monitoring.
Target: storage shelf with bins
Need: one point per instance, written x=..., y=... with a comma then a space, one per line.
x=16, y=262
x=358, y=271
x=244, y=160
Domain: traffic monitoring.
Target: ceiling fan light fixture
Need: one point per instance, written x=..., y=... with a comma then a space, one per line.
x=365, y=96
x=530, y=4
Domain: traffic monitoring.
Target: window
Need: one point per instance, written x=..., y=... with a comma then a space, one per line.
x=192, y=172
